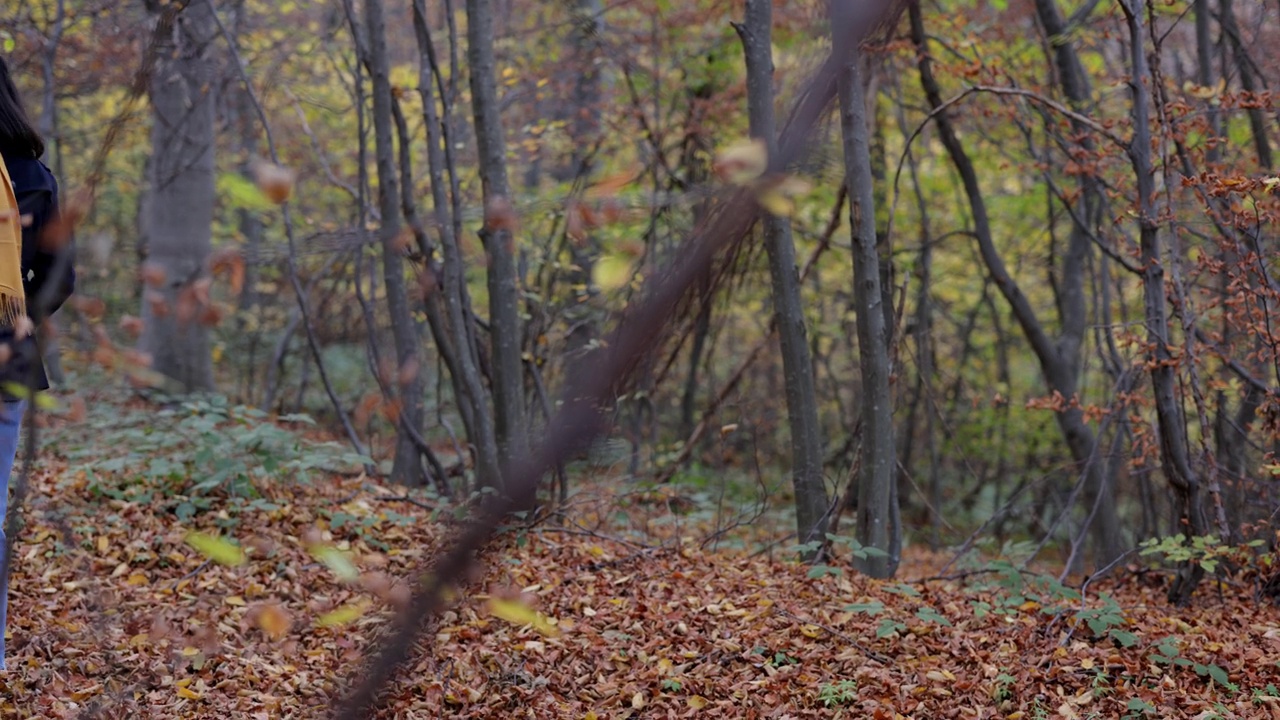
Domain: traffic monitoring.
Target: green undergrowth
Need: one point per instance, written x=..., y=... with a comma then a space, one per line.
x=193, y=455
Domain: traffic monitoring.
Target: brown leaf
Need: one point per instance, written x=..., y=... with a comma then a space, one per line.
x=153, y=275
x=230, y=263
x=90, y=307
x=499, y=214
x=275, y=182
x=131, y=325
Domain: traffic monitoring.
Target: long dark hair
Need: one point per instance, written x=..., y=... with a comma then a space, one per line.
x=17, y=135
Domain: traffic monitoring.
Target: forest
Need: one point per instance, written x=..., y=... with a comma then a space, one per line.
x=630, y=359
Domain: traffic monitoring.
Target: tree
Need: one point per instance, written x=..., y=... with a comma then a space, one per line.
x=407, y=468
x=179, y=208
x=505, y=331
x=878, y=512
x=473, y=398
x=811, y=503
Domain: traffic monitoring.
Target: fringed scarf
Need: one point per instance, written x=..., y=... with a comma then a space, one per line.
x=13, y=302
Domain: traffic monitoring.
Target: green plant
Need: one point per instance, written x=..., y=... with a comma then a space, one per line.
x=889, y=627
x=199, y=451
x=1106, y=620
x=1004, y=687
x=840, y=692
x=1138, y=708
x=1265, y=695
x=1206, y=550
x=1168, y=652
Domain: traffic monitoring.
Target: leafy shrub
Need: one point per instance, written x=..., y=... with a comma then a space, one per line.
x=196, y=451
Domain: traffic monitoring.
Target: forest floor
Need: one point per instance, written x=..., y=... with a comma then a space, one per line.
x=135, y=618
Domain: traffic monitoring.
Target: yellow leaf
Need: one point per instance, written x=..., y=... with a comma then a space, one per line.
x=1270, y=184
x=188, y=693
x=1087, y=663
x=137, y=579
x=611, y=271
x=936, y=676
x=216, y=549
x=810, y=631
x=518, y=613
x=338, y=562
x=235, y=600
x=103, y=544
x=342, y=616
x=637, y=700
x=697, y=702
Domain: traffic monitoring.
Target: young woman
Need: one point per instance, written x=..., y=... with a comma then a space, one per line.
x=34, y=282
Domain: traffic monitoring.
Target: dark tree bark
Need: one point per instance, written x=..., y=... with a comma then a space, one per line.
x=506, y=332
x=788, y=311
x=407, y=467
x=1099, y=490
x=1174, y=453
x=878, y=519
x=468, y=384
x=1058, y=359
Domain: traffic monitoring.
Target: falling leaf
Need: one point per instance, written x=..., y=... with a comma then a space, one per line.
x=520, y=614
x=344, y=615
x=188, y=693
x=215, y=548
x=229, y=263
x=275, y=182
x=612, y=271
x=273, y=620
x=742, y=162
x=338, y=562
x=499, y=214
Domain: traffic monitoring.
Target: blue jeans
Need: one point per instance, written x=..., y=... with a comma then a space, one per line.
x=10, y=423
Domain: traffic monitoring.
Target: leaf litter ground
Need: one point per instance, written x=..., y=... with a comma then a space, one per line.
x=584, y=620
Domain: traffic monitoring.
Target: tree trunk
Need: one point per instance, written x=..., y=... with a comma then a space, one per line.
x=1099, y=490
x=788, y=310
x=877, y=497
x=505, y=334
x=1248, y=82
x=1164, y=380
x=50, y=345
x=467, y=383
x=407, y=468
x=179, y=216
x=1058, y=360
